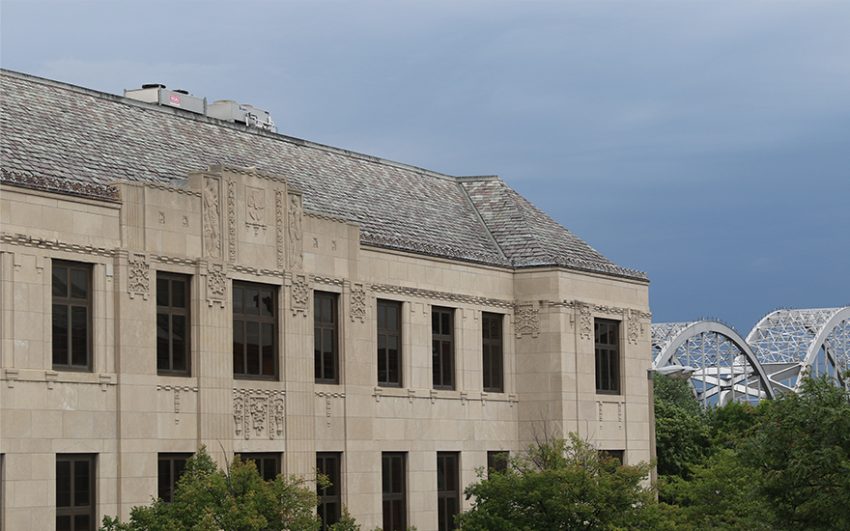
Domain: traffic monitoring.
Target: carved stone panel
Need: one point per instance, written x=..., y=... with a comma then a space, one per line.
x=299, y=295
x=278, y=221
x=216, y=284
x=358, y=303
x=585, y=322
x=526, y=320
x=138, y=276
x=258, y=413
x=212, y=218
x=231, y=221
x=255, y=209
x=295, y=213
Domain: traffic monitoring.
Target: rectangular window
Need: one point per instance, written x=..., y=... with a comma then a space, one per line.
x=330, y=500
x=393, y=491
x=491, y=345
x=389, y=343
x=497, y=461
x=267, y=464
x=448, y=490
x=254, y=331
x=607, y=356
x=326, y=337
x=617, y=455
x=72, y=308
x=172, y=324
x=75, y=492
x=169, y=469
x=443, y=353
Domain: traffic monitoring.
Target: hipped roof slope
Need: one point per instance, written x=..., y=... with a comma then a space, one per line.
x=71, y=134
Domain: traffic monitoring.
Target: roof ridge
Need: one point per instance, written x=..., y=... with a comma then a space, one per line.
x=480, y=217
x=115, y=98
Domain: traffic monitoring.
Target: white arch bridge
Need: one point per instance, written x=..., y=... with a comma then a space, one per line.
x=784, y=345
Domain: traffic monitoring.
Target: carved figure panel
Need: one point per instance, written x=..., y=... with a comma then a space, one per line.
x=300, y=295
x=212, y=218
x=278, y=214
x=216, y=285
x=585, y=322
x=255, y=209
x=358, y=303
x=258, y=413
x=294, y=231
x=231, y=220
x=527, y=320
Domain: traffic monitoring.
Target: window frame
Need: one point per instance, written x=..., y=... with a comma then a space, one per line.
x=607, y=358
x=441, y=338
x=75, y=510
x=488, y=345
x=261, y=459
x=448, y=467
x=172, y=458
x=387, y=333
x=388, y=461
x=170, y=311
x=320, y=326
x=69, y=302
x=244, y=318
x=497, y=461
x=618, y=455
x=324, y=499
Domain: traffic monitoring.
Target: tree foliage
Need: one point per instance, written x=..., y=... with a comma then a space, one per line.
x=237, y=499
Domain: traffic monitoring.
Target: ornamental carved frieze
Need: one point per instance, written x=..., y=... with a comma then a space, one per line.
x=138, y=276
x=258, y=413
x=255, y=209
x=212, y=218
x=634, y=326
x=299, y=295
x=278, y=223
x=358, y=303
x=295, y=214
x=231, y=220
x=526, y=319
x=585, y=322
x=216, y=284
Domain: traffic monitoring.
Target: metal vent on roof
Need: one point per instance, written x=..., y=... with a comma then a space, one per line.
x=157, y=93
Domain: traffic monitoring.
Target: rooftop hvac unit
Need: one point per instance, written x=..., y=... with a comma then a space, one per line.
x=156, y=93
x=241, y=113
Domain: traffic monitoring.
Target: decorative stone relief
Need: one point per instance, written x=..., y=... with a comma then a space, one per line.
x=299, y=295
x=255, y=209
x=231, y=220
x=633, y=327
x=585, y=322
x=526, y=320
x=216, y=284
x=258, y=413
x=328, y=404
x=138, y=276
x=358, y=303
x=294, y=230
x=176, y=391
x=212, y=218
x=278, y=221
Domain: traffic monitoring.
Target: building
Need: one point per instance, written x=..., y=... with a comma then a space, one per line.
x=170, y=280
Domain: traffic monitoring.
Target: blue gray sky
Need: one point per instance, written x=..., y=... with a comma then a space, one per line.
x=707, y=143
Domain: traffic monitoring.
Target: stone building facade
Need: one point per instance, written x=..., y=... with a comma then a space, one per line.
x=168, y=280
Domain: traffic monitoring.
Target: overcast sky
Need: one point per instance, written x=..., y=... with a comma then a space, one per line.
x=707, y=143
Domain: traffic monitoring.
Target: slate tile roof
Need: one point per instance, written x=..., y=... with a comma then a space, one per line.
x=56, y=133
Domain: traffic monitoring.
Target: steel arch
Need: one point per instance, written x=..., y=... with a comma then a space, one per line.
x=789, y=342
x=715, y=378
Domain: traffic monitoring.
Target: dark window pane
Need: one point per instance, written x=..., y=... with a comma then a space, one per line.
x=81, y=483
x=63, y=483
x=162, y=298
x=162, y=346
x=267, y=304
x=79, y=283
x=238, y=296
x=238, y=348
x=178, y=293
x=252, y=347
x=60, y=281
x=79, y=336
x=63, y=523
x=178, y=344
x=82, y=522
x=60, y=334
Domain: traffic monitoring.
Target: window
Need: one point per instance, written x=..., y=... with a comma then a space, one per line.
x=607, y=356
x=497, y=461
x=389, y=343
x=491, y=345
x=254, y=331
x=617, y=455
x=75, y=492
x=268, y=464
x=172, y=324
x=169, y=469
x=328, y=464
x=442, y=341
x=71, y=316
x=393, y=489
x=448, y=493
x=325, y=338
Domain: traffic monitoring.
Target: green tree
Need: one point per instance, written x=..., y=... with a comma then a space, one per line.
x=562, y=485
x=238, y=499
x=681, y=432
